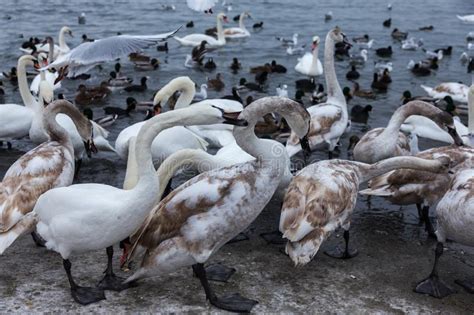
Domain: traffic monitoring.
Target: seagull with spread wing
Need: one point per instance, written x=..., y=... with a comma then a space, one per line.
x=89, y=54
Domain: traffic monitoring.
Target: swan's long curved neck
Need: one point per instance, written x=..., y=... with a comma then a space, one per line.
x=470, y=114
x=51, y=50
x=55, y=131
x=194, y=158
x=267, y=152
x=369, y=171
x=145, y=168
x=62, y=40
x=28, y=98
x=241, y=21
x=333, y=87
x=220, y=30
x=315, y=56
x=405, y=111
x=187, y=94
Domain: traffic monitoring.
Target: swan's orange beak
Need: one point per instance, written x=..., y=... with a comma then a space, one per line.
x=314, y=45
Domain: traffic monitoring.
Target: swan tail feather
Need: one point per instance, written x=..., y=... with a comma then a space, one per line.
x=24, y=226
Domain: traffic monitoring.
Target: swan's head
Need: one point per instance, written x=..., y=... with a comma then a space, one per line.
x=247, y=14
x=42, y=59
x=67, y=30
x=445, y=121
x=222, y=17
x=315, y=43
x=336, y=35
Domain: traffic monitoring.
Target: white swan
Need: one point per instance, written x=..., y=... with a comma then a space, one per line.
x=322, y=196
x=238, y=32
x=457, y=91
x=16, y=120
x=47, y=166
x=71, y=223
x=329, y=120
x=60, y=50
x=309, y=64
x=200, y=216
x=383, y=143
x=196, y=39
x=466, y=18
x=455, y=216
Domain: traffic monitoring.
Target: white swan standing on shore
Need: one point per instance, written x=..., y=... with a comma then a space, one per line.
x=49, y=165
x=195, y=220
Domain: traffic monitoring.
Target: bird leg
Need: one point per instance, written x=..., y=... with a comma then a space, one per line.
x=110, y=280
x=39, y=241
x=77, y=168
x=421, y=218
x=232, y=302
x=218, y=272
x=347, y=253
x=274, y=237
x=428, y=225
x=82, y=295
x=433, y=285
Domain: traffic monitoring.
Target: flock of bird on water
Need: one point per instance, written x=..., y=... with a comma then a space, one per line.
x=168, y=229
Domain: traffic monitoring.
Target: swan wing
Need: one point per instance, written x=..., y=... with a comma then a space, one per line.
x=46, y=166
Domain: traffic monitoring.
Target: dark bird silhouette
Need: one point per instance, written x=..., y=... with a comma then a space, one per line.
x=198, y=52
x=384, y=51
x=353, y=74
x=277, y=68
x=138, y=88
x=163, y=47
x=235, y=66
x=210, y=64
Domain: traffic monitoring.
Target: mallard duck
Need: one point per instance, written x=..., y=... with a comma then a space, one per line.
x=216, y=84
x=362, y=93
x=138, y=88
